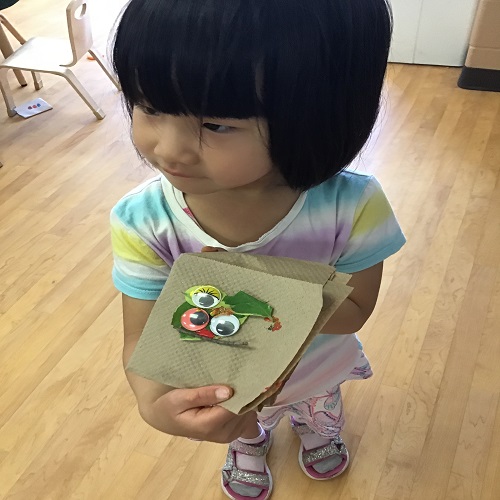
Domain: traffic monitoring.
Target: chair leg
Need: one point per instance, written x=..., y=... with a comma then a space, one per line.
x=75, y=83
x=36, y=76
x=13, y=30
x=7, y=50
x=37, y=80
x=20, y=78
x=7, y=95
x=104, y=65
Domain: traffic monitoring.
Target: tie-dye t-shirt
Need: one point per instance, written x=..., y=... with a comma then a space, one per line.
x=346, y=222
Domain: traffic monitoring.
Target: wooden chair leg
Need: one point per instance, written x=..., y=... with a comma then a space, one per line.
x=20, y=78
x=37, y=80
x=104, y=65
x=13, y=30
x=75, y=83
x=7, y=94
x=7, y=50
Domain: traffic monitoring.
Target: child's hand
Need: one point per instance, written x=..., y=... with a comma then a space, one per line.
x=193, y=413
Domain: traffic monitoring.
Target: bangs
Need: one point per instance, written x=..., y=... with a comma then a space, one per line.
x=313, y=69
x=178, y=58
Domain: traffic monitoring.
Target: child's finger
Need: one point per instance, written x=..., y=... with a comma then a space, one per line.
x=187, y=399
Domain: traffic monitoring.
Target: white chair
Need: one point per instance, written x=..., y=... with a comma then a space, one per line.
x=56, y=56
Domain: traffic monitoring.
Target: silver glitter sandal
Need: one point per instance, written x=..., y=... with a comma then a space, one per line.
x=308, y=458
x=261, y=480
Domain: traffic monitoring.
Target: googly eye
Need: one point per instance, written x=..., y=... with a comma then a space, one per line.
x=206, y=297
x=224, y=326
x=195, y=319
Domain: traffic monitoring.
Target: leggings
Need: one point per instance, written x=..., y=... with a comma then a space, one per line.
x=324, y=414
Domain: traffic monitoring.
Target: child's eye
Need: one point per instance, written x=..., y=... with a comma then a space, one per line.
x=147, y=110
x=218, y=129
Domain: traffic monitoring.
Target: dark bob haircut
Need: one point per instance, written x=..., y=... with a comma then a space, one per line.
x=314, y=69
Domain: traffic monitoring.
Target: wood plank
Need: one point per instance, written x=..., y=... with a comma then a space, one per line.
x=129, y=480
x=375, y=443
x=442, y=438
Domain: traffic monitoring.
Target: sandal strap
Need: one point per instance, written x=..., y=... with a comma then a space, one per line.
x=260, y=480
x=231, y=473
x=254, y=450
x=300, y=429
x=336, y=447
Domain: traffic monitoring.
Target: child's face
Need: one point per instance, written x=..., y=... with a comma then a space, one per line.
x=233, y=153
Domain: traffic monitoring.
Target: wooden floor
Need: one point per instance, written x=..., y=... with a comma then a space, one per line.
x=425, y=427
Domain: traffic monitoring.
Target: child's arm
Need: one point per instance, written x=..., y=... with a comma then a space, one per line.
x=357, y=308
x=181, y=412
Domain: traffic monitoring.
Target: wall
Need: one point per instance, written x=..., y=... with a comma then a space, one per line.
x=432, y=31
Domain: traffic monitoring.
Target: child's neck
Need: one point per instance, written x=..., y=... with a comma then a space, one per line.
x=242, y=216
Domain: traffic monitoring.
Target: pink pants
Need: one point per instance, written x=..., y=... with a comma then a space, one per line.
x=324, y=414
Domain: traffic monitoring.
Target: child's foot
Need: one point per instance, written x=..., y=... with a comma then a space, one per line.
x=246, y=474
x=320, y=458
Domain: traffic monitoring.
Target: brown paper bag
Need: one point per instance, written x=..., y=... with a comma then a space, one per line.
x=303, y=295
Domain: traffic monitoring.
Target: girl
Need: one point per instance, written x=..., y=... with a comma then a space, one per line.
x=250, y=111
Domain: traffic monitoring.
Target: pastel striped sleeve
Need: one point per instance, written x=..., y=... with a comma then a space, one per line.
x=137, y=270
x=375, y=233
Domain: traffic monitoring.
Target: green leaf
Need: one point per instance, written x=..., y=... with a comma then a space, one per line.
x=246, y=305
x=190, y=338
x=241, y=319
x=187, y=296
x=176, y=318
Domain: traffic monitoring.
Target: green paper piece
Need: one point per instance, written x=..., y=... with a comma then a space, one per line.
x=246, y=305
x=190, y=338
x=176, y=318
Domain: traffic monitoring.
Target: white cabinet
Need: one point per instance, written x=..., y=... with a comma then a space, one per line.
x=432, y=31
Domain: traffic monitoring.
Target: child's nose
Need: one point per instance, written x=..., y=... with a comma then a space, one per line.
x=177, y=144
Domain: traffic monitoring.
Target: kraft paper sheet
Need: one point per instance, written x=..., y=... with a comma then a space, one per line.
x=303, y=294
